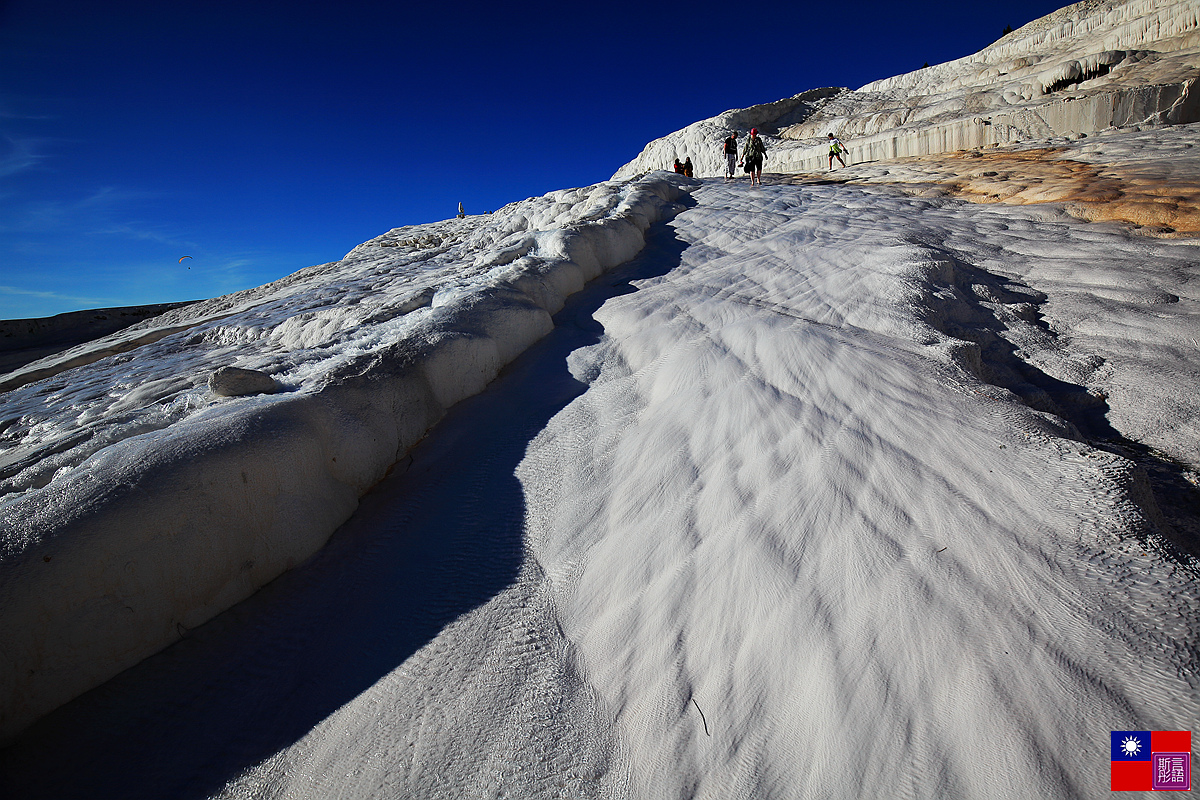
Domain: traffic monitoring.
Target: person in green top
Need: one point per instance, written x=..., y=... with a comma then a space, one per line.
x=836, y=148
x=753, y=155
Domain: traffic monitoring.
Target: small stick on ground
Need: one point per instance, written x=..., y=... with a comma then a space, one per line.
x=702, y=719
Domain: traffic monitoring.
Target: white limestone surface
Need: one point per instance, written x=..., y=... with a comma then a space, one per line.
x=833, y=491
x=837, y=491
x=136, y=504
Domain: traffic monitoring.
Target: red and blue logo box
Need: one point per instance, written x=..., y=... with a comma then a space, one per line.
x=1151, y=761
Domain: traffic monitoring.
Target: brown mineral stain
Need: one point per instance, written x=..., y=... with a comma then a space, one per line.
x=1092, y=192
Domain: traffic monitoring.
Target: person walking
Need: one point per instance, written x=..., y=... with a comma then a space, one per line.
x=687, y=167
x=836, y=148
x=753, y=155
x=730, y=155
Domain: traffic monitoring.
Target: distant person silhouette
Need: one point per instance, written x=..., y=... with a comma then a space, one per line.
x=678, y=166
x=730, y=155
x=836, y=148
x=461, y=213
x=687, y=166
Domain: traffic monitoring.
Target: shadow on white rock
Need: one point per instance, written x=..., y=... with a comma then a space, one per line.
x=194, y=506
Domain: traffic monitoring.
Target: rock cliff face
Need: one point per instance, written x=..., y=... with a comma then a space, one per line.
x=1090, y=66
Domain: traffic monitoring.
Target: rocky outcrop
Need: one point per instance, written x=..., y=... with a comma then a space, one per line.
x=238, y=382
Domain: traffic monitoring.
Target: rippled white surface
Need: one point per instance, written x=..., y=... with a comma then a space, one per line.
x=824, y=472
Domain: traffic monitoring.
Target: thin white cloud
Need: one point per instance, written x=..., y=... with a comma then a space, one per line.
x=12, y=290
x=20, y=152
x=134, y=230
x=17, y=155
x=103, y=212
x=16, y=106
x=109, y=196
x=9, y=113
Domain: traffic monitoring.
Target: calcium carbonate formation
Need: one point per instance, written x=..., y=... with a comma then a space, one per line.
x=1085, y=68
x=138, y=504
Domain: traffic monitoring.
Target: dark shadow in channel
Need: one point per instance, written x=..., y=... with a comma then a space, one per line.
x=425, y=547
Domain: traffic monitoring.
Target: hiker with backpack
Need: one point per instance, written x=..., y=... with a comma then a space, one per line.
x=730, y=155
x=836, y=148
x=753, y=155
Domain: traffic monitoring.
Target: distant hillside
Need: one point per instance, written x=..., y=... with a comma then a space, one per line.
x=23, y=341
x=1087, y=67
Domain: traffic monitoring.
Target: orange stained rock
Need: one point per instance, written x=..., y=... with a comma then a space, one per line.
x=1163, y=205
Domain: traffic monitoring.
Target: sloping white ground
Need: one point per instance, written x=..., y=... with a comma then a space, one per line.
x=1087, y=67
x=875, y=576
x=795, y=519
x=136, y=505
x=1113, y=321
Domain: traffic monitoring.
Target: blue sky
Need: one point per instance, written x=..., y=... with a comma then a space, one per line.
x=262, y=137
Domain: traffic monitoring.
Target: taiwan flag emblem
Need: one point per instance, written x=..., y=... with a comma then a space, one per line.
x=1151, y=761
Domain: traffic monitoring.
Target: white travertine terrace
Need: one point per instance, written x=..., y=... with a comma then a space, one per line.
x=1085, y=68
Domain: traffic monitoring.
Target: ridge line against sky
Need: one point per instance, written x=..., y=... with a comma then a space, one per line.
x=262, y=137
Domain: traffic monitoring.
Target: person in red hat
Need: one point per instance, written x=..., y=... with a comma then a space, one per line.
x=753, y=155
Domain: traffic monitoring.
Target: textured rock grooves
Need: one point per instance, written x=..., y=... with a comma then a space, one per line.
x=1170, y=104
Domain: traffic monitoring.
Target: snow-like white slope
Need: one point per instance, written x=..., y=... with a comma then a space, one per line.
x=786, y=502
x=850, y=492
x=874, y=574
x=136, y=504
x=1138, y=376
x=813, y=502
x=1087, y=67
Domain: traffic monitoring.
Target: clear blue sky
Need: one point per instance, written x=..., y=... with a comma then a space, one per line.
x=262, y=137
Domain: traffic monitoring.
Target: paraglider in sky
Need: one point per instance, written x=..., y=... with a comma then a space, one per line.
x=181, y=260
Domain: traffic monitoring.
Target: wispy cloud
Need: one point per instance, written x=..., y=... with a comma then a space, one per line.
x=20, y=151
x=8, y=112
x=26, y=108
x=104, y=212
x=108, y=196
x=17, y=155
x=12, y=290
x=143, y=231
